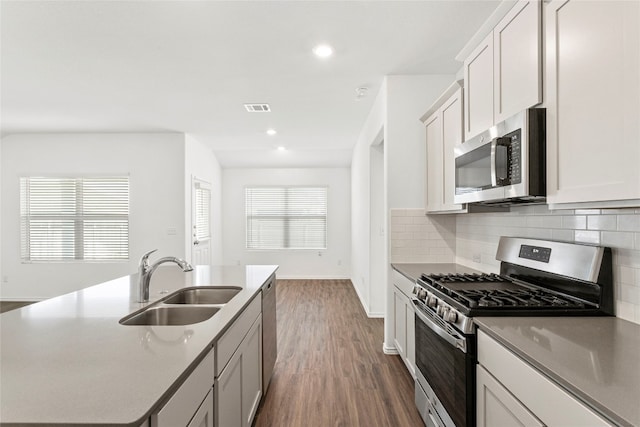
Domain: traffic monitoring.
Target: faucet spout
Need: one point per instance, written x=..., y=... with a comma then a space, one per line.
x=145, y=271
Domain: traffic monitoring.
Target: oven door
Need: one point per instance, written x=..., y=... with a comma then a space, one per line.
x=445, y=360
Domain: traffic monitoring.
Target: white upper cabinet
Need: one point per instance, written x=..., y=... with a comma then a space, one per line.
x=502, y=76
x=517, y=61
x=452, y=129
x=443, y=131
x=478, y=89
x=593, y=103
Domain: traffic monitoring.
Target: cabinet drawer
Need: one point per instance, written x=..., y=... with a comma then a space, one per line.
x=179, y=410
x=228, y=344
x=550, y=403
x=402, y=283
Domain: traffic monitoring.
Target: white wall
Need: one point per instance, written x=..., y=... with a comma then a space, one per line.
x=333, y=262
x=396, y=112
x=201, y=163
x=372, y=132
x=408, y=98
x=155, y=164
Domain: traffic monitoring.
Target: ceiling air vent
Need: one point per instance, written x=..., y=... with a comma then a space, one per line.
x=257, y=108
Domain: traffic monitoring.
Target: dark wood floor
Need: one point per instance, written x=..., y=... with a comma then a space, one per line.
x=12, y=305
x=331, y=370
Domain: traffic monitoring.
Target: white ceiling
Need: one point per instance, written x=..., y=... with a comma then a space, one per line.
x=189, y=66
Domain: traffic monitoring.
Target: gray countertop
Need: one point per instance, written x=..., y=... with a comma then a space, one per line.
x=67, y=360
x=413, y=271
x=596, y=359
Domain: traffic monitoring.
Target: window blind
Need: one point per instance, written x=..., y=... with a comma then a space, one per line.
x=203, y=212
x=68, y=219
x=286, y=217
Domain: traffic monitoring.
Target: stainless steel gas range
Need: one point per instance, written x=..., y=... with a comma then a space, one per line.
x=537, y=278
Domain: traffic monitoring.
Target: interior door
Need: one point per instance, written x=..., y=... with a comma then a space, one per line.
x=200, y=222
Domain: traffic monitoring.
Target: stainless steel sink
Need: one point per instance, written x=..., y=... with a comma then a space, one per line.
x=203, y=295
x=170, y=316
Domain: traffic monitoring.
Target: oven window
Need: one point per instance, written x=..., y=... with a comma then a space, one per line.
x=449, y=372
x=473, y=170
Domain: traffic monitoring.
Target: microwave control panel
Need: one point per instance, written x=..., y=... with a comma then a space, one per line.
x=515, y=156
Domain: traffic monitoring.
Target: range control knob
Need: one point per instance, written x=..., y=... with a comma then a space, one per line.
x=421, y=294
x=432, y=301
x=451, y=317
x=442, y=311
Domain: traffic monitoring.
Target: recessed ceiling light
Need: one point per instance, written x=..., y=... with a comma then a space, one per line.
x=271, y=132
x=323, y=51
x=281, y=148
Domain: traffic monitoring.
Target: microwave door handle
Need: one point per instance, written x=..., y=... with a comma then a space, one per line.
x=494, y=173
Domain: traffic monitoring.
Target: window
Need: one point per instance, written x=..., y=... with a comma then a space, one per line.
x=202, y=195
x=286, y=217
x=70, y=219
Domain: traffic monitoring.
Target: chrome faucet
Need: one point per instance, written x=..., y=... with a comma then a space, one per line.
x=146, y=270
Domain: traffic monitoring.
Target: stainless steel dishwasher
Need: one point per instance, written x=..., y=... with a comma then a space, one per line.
x=269, y=331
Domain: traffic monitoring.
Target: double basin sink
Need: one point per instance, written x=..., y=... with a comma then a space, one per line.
x=183, y=307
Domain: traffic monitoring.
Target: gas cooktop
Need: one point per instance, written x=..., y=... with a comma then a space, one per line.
x=537, y=277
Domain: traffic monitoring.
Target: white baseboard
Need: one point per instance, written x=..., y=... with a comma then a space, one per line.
x=389, y=350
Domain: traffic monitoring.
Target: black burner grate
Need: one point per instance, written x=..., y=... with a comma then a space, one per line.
x=475, y=296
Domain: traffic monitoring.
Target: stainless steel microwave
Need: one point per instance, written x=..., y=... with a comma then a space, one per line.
x=506, y=164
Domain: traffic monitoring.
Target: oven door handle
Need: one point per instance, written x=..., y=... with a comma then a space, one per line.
x=451, y=339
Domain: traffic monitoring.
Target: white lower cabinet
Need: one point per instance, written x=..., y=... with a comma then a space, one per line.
x=238, y=387
x=204, y=416
x=497, y=407
x=192, y=404
x=229, y=393
x=225, y=389
x=511, y=392
x=252, y=373
x=404, y=321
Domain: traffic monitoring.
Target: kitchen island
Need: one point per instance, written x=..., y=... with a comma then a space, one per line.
x=68, y=360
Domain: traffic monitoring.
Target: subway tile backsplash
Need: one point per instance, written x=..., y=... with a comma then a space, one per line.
x=417, y=238
x=472, y=240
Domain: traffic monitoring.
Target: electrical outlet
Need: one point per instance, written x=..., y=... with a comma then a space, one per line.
x=477, y=258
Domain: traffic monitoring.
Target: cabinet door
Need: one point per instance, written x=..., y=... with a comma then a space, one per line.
x=495, y=406
x=251, y=372
x=435, y=171
x=228, y=391
x=517, y=60
x=593, y=93
x=400, y=336
x=204, y=415
x=452, y=129
x=410, y=352
x=550, y=403
x=478, y=89
x=184, y=403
